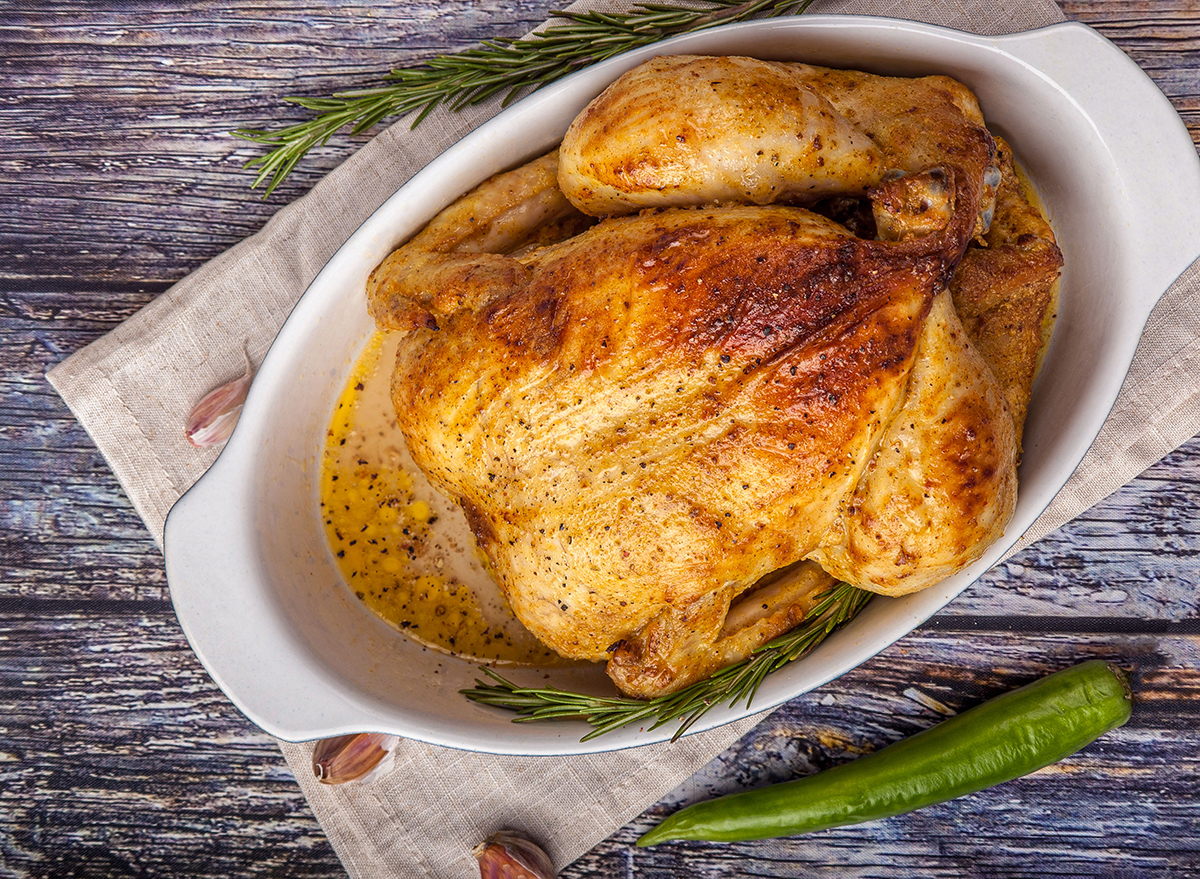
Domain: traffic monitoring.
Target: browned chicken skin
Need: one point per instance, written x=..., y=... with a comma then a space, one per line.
x=649, y=142
x=670, y=430
x=1003, y=291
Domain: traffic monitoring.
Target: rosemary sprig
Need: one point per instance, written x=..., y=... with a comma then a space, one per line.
x=502, y=65
x=728, y=686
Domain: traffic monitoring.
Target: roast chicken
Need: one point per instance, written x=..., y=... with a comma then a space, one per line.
x=752, y=329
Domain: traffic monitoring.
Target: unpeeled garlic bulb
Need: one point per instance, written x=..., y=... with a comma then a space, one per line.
x=509, y=855
x=357, y=757
x=213, y=419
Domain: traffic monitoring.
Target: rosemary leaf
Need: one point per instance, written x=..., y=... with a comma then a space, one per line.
x=730, y=685
x=502, y=65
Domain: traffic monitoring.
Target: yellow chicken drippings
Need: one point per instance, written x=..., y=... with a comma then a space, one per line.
x=380, y=528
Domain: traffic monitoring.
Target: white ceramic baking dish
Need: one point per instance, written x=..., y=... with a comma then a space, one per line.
x=252, y=580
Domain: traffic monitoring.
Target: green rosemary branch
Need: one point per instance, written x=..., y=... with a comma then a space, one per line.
x=728, y=686
x=502, y=65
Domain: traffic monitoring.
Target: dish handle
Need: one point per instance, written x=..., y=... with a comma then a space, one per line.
x=235, y=625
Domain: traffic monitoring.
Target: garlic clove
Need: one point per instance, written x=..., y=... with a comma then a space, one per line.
x=357, y=757
x=507, y=854
x=214, y=417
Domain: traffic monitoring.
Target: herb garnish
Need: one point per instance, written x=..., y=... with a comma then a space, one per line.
x=740, y=681
x=513, y=66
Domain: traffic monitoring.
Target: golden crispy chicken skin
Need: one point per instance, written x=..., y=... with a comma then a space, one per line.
x=673, y=402
x=688, y=130
x=1003, y=291
x=670, y=430
x=648, y=140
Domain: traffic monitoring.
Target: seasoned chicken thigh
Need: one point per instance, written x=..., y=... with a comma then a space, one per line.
x=671, y=429
x=688, y=130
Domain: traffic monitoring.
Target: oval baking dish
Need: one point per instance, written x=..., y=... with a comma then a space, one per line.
x=250, y=574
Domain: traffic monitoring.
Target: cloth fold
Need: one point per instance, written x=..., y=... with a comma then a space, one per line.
x=132, y=390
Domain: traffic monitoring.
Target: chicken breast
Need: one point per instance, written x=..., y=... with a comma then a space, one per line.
x=671, y=429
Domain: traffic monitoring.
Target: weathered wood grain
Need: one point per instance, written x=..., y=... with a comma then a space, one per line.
x=1036, y=826
x=119, y=757
x=75, y=674
x=121, y=120
x=1135, y=555
x=66, y=531
x=120, y=128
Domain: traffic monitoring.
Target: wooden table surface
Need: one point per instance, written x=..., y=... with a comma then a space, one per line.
x=118, y=755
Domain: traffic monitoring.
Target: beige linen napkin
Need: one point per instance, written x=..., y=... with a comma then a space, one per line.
x=132, y=390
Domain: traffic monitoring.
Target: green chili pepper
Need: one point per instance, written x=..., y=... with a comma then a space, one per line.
x=1002, y=739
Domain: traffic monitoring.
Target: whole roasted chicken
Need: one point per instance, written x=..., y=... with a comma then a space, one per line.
x=710, y=356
